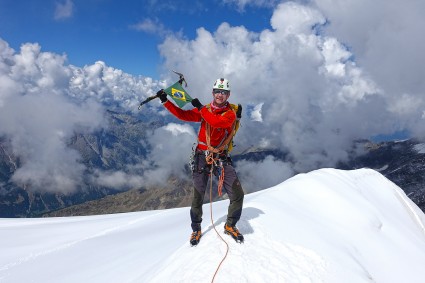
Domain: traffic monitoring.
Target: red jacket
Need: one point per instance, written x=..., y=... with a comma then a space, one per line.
x=221, y=121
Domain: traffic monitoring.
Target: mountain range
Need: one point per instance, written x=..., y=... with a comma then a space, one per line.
x=121, y=144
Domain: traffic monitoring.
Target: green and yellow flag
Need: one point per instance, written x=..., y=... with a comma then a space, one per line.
x=178, y=94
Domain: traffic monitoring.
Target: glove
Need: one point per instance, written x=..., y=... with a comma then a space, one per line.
x=239, y=112
x=162, y=95
x=196, y=103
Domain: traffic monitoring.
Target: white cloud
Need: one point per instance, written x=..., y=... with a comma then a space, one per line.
x=256, y=113
x=111, y=86
x=242, y=4
x=151, y=26
x=171, y=149
x=64, y=10
x=117, y=179
x=292, y=18
x=43, y=102
x=39, y=126
x=315, y=99
x=269, y=172
x=386, y=39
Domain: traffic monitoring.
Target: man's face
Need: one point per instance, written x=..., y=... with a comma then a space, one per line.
x=220, y=96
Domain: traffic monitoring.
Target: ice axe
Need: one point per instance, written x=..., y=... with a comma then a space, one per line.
x=180, y=81
x=181, y=78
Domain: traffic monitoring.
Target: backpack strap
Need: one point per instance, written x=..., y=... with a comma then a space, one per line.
x=224, y=144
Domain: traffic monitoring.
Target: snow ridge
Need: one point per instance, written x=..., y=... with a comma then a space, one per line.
x=324, y=226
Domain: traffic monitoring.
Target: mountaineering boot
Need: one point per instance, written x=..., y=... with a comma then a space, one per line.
x=195, y=237
x=234, y=233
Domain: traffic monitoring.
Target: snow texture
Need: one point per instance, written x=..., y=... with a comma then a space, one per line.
x=325, y=226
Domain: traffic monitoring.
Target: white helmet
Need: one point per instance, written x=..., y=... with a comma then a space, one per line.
x=222, y=84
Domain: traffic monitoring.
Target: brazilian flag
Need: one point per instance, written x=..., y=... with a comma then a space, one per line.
x=178, y=94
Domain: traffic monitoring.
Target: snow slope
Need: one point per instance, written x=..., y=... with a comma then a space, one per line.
x=324, y=226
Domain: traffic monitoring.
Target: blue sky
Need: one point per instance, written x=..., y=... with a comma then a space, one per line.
x=107, y=30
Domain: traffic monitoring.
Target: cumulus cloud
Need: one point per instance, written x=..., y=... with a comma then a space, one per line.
x=64, y=10
x=111, y=86
x=171, y=149
x=117, y=179
x=263, y=174
x=385, y=39
x=44, y=101
x=314, y=97
x=38, y=118
x=39, y=126
x=256, y=113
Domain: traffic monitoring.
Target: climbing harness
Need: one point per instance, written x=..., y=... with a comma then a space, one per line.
x=215, y=161
x=212, y=154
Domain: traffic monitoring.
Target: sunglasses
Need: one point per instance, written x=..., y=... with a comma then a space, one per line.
x=221, y=91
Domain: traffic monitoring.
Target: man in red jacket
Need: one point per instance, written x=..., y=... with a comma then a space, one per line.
x=217, y=124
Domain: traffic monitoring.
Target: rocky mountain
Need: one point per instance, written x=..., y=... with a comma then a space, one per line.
x=176, y=194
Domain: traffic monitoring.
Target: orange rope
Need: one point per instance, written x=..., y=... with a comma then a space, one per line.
x=221, y=182
x=212, y=222
x=211, y=160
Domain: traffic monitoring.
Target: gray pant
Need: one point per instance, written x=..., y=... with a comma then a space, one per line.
x=231, y=186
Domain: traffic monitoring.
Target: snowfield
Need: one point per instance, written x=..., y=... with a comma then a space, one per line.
x=325, y=226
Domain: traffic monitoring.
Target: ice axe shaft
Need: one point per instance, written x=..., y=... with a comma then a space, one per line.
x=147, y=100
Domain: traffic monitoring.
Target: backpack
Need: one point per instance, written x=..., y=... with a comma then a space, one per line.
x=235, y=108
